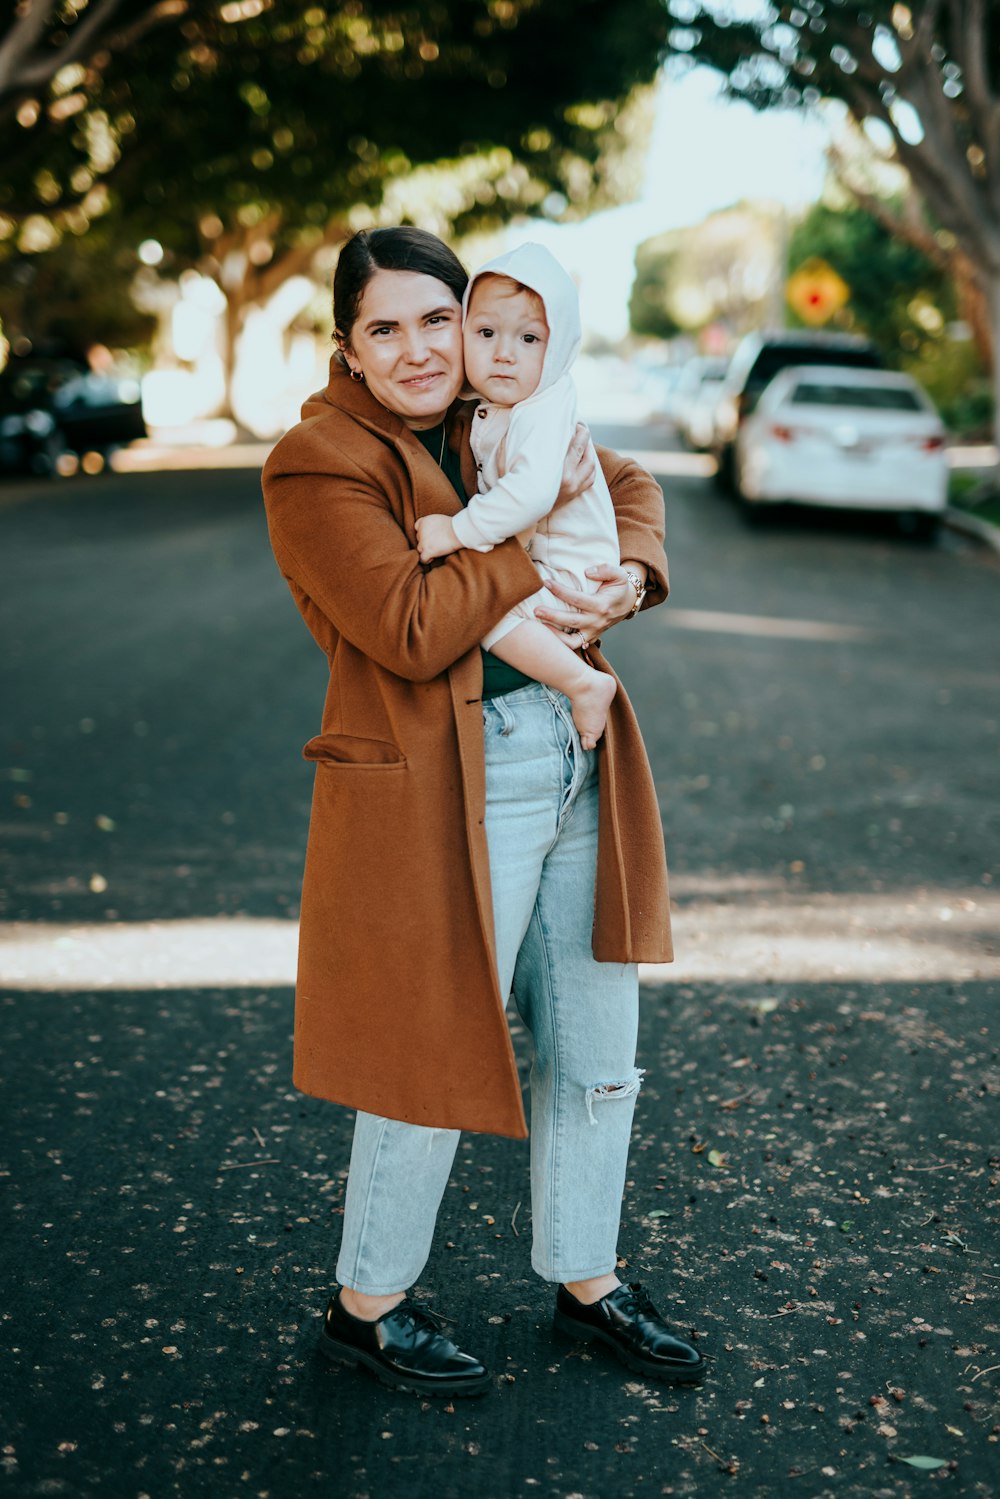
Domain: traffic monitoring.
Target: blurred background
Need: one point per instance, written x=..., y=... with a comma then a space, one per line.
x=784, y=221
x=178, y=178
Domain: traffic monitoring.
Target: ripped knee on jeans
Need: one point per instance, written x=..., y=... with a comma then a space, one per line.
x=627, y=1088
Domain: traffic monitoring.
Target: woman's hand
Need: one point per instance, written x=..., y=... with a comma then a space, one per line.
x=436, y=537
x=579, y=469
x=588, y=615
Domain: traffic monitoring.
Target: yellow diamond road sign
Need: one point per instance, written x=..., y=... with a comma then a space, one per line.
x=816, y=292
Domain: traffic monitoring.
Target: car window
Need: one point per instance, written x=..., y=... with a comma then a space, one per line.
x=858, y=397
x=777, y=357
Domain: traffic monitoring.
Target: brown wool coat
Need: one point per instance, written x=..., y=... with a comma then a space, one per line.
x=397, y=1007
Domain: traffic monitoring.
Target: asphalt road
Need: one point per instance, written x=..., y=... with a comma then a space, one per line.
x=820, y=701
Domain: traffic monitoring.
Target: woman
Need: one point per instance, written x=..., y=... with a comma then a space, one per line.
x=461, y=843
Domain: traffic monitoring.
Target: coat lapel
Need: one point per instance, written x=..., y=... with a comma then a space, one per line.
x=431, y=492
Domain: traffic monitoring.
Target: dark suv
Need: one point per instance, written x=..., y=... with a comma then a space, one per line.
x=761, y=356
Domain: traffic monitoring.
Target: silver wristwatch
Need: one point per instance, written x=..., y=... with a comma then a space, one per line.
x=640, y=591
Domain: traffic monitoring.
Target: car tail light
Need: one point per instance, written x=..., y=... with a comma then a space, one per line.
x=783, y=434
x=932, y=444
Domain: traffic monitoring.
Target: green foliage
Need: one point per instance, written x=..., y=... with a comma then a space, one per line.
x=294, y=113
x=72, y=296
x=719, y=271
x=953, y=376
x=648, y=309
x=898, y=297
x=902, y=301
x=801, y=52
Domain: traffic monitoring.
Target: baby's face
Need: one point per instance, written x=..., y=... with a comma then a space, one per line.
x=505, y=338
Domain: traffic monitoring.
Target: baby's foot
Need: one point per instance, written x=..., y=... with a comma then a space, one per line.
x=590, y=707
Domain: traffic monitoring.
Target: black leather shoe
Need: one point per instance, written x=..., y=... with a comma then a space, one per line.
x=628, y=1322
x=405, y=1348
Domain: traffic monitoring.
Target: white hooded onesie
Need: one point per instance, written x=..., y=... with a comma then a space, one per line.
x=520, y=451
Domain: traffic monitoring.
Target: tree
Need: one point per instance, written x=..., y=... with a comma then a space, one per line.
x=649, y=311
x=242, y=135
x=923, y=81
x=43, y=36
x=903, y=299
x=899, y=298
x=722, y=270
x=71, y=297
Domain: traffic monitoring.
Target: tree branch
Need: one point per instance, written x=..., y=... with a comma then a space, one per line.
x=939, y=121
x=43, y=68
x=969, y=30
x=936, y=182
x=24, y=78
x=23, y=35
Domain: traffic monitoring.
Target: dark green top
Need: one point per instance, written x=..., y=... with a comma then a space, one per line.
x=498, y=677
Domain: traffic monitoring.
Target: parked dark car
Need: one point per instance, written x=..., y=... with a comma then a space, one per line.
x=49, y=407
x=761, y=356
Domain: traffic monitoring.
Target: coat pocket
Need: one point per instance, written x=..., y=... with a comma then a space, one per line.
x=353, y=752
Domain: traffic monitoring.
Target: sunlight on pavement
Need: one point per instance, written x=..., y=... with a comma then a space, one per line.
x=173, y=456
x=719, y=622
x=926, y=936
x=923, y=936
x=162, y=458
x=671, y=461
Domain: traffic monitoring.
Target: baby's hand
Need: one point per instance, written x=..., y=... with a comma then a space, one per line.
x=436, y=537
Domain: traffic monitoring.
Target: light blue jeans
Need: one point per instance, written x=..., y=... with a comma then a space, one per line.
x=541, y=827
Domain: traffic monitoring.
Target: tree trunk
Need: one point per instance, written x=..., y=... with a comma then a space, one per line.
x=232, y=324
x=974, y=307
x=993, y=299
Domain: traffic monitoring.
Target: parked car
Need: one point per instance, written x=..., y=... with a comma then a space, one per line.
x=697, y=390
x=52, y=406
x=851, y=438
x=660, y=383
x=761, y=356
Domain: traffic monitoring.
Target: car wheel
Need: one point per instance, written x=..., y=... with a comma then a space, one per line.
x=920, y=525
x=738, y=486
x=724, y=476
x=44, y=461
x=756, y=515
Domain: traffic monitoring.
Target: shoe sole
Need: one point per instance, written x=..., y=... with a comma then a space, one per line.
x=340, y=1353
x=583, y=1333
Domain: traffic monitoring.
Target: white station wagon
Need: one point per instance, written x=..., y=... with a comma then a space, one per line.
x=850, y=438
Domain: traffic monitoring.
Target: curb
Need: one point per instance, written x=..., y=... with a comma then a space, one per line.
x=971, y=525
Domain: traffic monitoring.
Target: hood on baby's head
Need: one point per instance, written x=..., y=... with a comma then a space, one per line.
x=537, y=268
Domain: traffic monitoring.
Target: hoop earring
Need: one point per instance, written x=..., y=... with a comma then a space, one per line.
x=357, y=375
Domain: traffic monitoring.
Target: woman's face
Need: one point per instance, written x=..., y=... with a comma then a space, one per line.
x=407, y=342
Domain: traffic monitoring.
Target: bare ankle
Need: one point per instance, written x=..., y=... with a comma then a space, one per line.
x=368, y=1308
x=589, y=1291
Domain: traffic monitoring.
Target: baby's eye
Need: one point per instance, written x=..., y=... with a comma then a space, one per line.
x=486, y=332
x=531, y=338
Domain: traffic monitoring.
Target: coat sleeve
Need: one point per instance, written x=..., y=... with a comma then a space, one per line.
x=338, y=543
x=639, y=516
x=537, y=439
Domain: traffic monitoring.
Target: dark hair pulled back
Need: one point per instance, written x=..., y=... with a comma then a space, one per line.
x=400, y=249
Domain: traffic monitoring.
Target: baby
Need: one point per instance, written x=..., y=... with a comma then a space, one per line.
x=521, y=334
